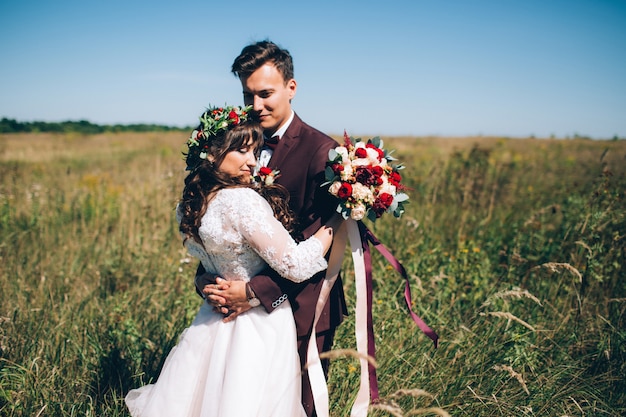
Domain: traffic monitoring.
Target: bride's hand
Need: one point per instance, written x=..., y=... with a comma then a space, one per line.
x=228, y=298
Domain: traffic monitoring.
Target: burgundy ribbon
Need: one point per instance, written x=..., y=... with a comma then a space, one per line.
x=368, y=236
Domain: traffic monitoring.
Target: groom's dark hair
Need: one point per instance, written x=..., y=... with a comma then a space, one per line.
x=255, y=55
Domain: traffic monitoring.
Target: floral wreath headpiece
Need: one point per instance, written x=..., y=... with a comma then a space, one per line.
x=213, y=121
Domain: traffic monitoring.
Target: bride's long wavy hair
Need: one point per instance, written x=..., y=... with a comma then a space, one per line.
x=206, y=179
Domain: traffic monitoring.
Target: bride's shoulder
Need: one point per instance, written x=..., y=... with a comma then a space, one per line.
x=234, y=192
x=237, y=195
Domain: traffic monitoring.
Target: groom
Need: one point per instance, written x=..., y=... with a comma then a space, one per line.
x=300, y=152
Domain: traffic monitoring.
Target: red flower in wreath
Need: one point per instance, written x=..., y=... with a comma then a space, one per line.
x=234, y=117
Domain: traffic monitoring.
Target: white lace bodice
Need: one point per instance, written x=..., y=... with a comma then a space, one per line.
x=241, y=235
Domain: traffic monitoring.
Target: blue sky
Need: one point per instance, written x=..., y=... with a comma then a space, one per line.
x=446, y=68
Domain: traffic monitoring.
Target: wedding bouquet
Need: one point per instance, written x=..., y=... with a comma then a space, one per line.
x=361, y=176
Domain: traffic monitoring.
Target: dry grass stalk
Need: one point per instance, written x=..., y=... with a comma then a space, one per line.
x=513, y=374
x=337, y=353
x=584, y=245
x=476, y=395
x=558, y=267
x=416, y=392
x=509, y=316
x=392, y=409
x=431, y=410
x=516, y=293
x=577, y=405
x=41, y=411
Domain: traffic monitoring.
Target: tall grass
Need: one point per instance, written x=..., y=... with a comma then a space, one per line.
x=515, y=249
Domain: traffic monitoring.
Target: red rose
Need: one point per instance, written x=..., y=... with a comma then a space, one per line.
x=369, y=175
x=344, y=191
x=234, y=117
x=364, y=175
x=395, y=178
x=382, y=203
x=378, y=172
x=360, y=153
x=337, y=168
x=386, y=199
x=265, y=171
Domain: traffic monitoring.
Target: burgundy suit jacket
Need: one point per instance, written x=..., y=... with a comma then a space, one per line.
x=301, y=156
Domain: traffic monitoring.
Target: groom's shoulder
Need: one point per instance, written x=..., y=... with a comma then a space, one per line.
x=309, y=134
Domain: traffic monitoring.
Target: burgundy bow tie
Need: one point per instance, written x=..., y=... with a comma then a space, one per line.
x=271, y=142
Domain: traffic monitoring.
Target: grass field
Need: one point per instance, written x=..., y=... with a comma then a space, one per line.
x=515, y=249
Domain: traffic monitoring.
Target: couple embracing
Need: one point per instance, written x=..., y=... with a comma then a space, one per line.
x=263, y=261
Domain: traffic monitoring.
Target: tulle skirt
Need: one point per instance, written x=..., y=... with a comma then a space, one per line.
x=248, y=367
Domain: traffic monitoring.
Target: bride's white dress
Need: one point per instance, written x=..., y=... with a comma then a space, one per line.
x=247, y=367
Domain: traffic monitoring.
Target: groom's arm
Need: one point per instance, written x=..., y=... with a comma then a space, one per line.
x=230, y=297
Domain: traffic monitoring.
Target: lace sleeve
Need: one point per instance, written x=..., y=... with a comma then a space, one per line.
x=254, y=219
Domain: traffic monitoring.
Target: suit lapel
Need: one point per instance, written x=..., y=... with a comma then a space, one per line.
x=286, y=143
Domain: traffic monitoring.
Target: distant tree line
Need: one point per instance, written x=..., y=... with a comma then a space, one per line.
x=81, y=126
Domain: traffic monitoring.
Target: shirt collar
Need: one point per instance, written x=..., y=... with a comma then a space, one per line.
x=281, y=131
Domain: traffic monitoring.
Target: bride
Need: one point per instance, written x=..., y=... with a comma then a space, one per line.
x=249, y=366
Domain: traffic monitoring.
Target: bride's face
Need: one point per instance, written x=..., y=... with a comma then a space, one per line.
x=239, y=162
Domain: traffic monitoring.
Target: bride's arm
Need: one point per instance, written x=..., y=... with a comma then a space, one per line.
x=254, y=219
x=294, y=261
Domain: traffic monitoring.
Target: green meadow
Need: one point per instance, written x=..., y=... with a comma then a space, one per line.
x=515, y=249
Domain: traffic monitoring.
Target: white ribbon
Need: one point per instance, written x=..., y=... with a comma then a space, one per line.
x=361, y=404
x=348, y=230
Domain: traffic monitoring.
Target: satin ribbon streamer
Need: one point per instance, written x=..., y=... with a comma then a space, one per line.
x=359, y=237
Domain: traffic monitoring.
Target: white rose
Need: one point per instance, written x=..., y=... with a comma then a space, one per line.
x=363, y=193
x=347, y=173
x=357, y=212
x=388, y=188
x=334, y=187
x=343, y=152
x=361, y=162
x=372, y=155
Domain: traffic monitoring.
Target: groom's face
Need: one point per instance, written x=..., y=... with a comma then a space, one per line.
x=269, y=94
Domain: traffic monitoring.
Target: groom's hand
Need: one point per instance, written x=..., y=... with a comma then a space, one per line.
x=227, y=297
